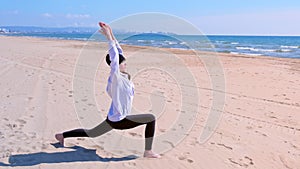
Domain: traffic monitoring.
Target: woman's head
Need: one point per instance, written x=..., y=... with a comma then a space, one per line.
x=122, y=62
x=123, y=66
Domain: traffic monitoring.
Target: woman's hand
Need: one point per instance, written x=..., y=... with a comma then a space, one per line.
x=106, y=30
x=101, y=24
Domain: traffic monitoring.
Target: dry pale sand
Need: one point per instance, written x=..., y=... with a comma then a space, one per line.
x=259, y=126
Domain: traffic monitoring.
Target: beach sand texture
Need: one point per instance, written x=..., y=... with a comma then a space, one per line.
x=259, y=126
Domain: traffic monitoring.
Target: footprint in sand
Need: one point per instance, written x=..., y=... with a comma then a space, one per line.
x=243, y=162
x=21, y=121
x=181, y=158
x=170, y=143
x=44, y=145
x=185, y=157
x=225, y=146
x=5, y=154
x=190, y=160
x=130, y=164
x=34, y=147
x=84, y=100
x=11, y=126
x=90, y=104
x=162, y=130
x=263, y=134
x=22, y=136
x=135, y=134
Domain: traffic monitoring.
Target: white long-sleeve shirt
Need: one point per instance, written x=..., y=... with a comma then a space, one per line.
x=119, y=87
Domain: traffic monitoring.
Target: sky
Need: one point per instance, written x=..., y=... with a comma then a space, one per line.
x=230, y=17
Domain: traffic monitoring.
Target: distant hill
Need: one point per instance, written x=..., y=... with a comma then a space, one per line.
x=34, y=29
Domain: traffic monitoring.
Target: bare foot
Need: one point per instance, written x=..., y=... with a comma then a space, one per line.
x=151, y=154
x=60, y=138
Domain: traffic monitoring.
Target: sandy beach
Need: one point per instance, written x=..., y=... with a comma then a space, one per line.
x=258, y=127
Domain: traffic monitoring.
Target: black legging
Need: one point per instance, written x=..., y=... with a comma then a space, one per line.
x=130, y=121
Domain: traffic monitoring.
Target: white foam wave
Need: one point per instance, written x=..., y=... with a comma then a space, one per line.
x=249, y=54
x=255, y=49
x=243, y=48
x=170, y=42
x=263, y=50
x=291, y=47
x=252, y=54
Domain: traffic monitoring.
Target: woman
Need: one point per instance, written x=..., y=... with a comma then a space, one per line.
x=121, y=90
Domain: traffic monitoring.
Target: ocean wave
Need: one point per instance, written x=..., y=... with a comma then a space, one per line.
x=225, y=51
x=224, y=42
x=283, y=50
x=170, y=42
x=234, y=43
x=255, y=49
x=249, y=54
x=142, y=42
x=244, y=48
x=291, y=47
x=81, y=39
x=263, y=50
x=252, y=54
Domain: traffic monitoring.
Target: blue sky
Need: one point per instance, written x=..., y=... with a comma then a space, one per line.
x=250, y=17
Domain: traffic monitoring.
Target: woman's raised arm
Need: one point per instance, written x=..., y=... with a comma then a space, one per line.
x=113, y=47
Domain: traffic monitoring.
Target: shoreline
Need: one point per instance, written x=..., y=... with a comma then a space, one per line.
x=163, y=48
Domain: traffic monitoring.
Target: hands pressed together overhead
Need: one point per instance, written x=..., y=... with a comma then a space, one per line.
x=106, y=31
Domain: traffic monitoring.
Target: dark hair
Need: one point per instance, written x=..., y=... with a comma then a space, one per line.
x=121, y=59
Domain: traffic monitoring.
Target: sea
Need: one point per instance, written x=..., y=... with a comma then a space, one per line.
x=273, y=46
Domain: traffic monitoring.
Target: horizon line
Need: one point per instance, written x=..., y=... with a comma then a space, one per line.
x=119, y=31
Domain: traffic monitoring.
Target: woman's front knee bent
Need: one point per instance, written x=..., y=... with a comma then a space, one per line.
x=151, y=117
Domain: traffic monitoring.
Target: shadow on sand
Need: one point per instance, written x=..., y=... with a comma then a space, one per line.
x=79, y=155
